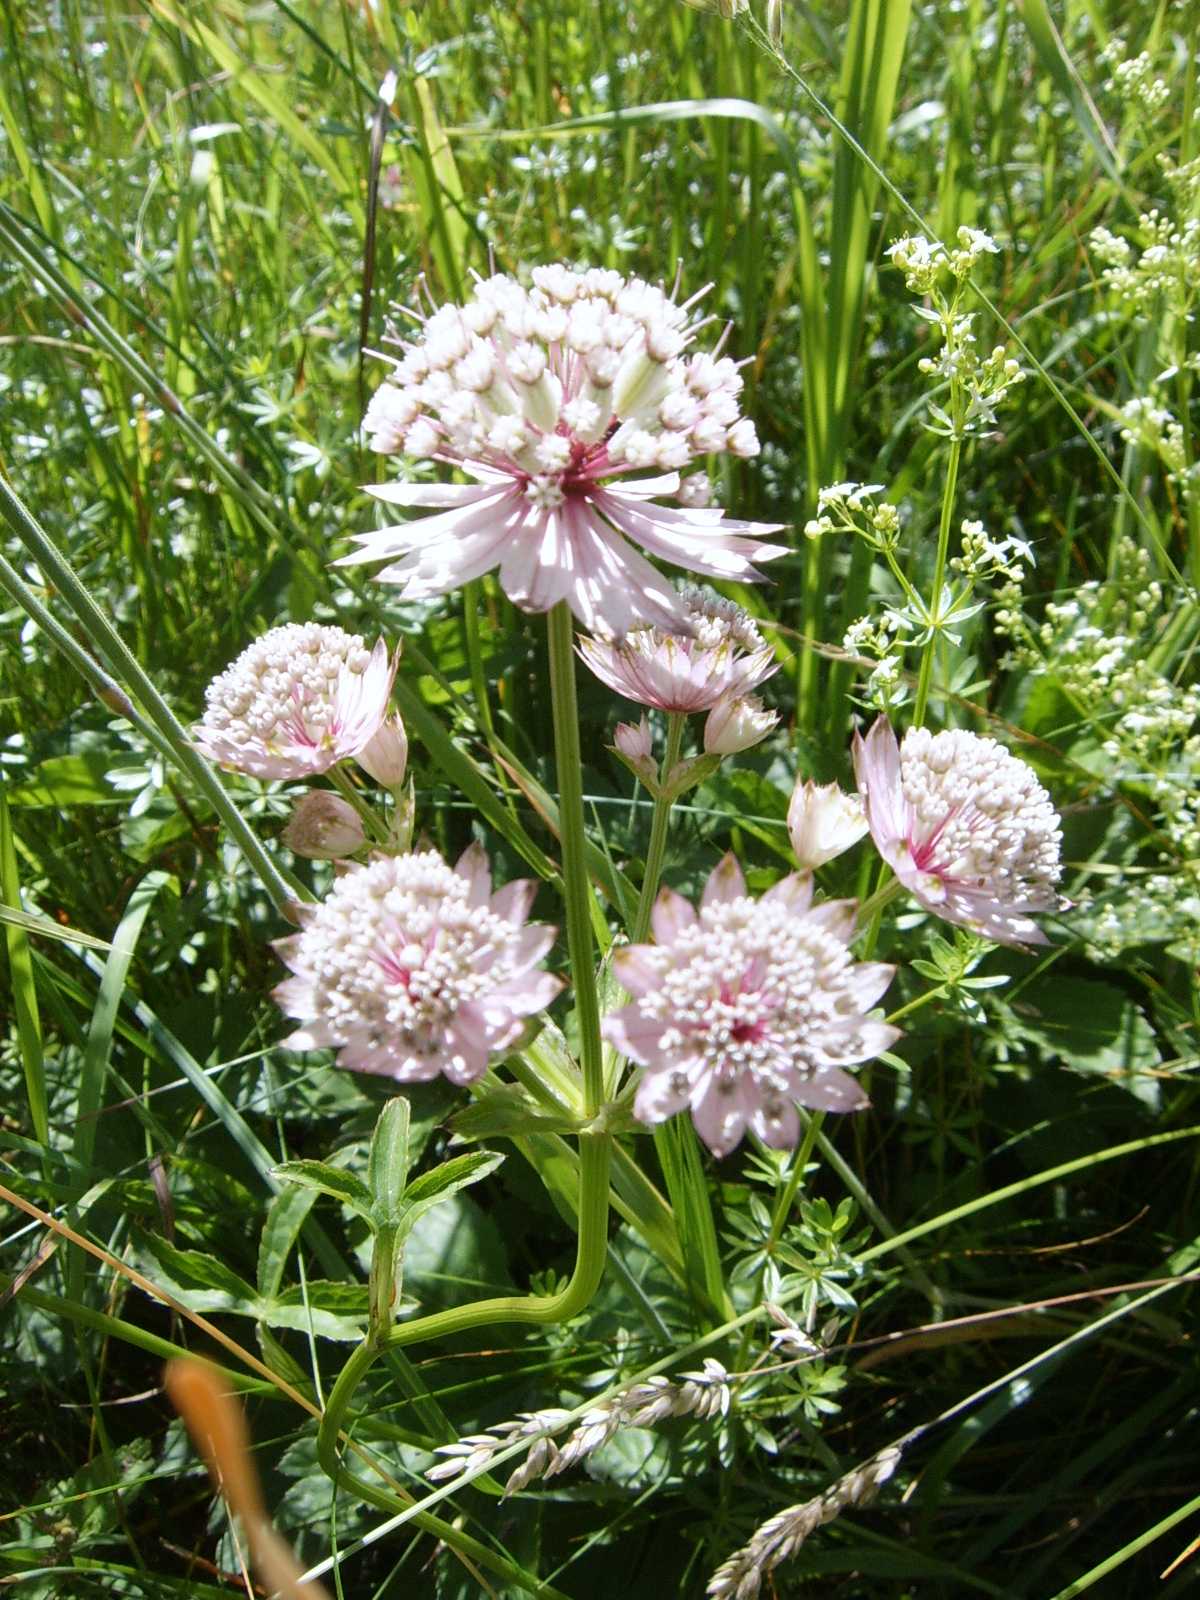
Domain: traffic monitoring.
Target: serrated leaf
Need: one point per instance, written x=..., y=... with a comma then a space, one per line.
x=505, y=1110
x=431, y=1188
x=387, y=1164
x=330, y=1180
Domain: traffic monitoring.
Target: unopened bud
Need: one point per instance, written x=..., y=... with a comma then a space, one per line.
x=324, y=827
x=384, y=757
x=735, y=723
x=631, y=744
x=822, y=822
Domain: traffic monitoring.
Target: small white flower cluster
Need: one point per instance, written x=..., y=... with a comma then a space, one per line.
x=1155, y=427
x=922, y=261
x=1098, y=646
x=1164, y=268
x=981, y=557
x=977, y=384
x=538, y=379
x=779, y=1538
x=701, y=1394
x=849, y=508
x=1133, y=80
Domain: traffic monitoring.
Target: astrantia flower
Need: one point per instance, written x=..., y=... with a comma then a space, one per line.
x=299, y=699
x=412, y=967
x=549, y=398
x=747, y=1008
x=736, y=722
x=722, y=654
x=965, y=826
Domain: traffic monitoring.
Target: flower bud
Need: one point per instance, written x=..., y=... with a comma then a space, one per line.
x=822, y=822
x=631, y=744
x=324, y=827
x=735, y=723
x=384, y=757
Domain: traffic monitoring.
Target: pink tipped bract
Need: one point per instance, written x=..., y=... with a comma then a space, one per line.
x=744, y=1009
x=412, y=968
x=549, y=398
x=965, y=826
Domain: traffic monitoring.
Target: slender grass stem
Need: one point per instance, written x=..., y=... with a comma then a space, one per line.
x=939, y=578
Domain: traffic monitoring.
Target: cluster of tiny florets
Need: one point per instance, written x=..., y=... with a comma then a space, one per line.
x=992, y=820
x=295, y=701
x=410, y=967
x=721, y=655
x=585, y=370
x=741, y=1577
x=703, y=1394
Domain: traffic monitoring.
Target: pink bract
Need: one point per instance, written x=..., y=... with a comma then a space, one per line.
x=965, y=826
x=410, y=968
x=746, y=1008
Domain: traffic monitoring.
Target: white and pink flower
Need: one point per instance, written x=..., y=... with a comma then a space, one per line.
x=412, y=968
x=965, y=826
x=550, y=399
x=746, y=1008
x=721, y=655
x=296, y=702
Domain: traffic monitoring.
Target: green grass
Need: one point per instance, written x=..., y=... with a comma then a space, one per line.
x=197, y=231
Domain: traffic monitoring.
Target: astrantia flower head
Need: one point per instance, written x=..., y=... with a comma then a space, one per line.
x=746, y=1008
x=722, y=654
x=549, y=398
x=411, y=967
x=965, y=826
x=297, y=701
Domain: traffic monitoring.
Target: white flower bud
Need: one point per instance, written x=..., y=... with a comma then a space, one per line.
x=822, y=822
x=384, y=757
x=735, y=724
x=324, y=827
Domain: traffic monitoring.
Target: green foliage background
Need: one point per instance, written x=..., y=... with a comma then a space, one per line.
x=188, y=194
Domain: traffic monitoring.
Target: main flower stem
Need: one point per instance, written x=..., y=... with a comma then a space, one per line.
x=675, y=1140
x=939, y=579
x=595, y=1142
x=657, y=848
x=577, y=892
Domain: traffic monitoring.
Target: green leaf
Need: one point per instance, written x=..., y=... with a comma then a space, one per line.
x=285, y=1217
x=333, y=1181
x=1093, y=1028
x=387, y=1164
x=431, y=1188
x=503, y=1110
x=77, y=780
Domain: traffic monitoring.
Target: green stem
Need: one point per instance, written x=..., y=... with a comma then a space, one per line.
x=577, y=892
x=126, y=666
x=939, y=578
x=539, y=1310
x=377, y=829
x=675, y=1140
x=657, y=848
